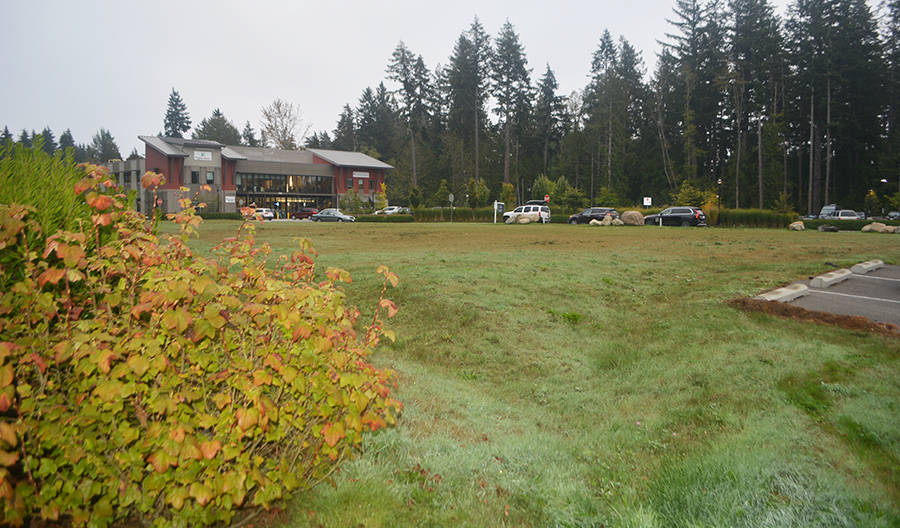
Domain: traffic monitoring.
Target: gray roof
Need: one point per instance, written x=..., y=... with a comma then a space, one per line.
x=160, y=144
x=230, y=153
x=272, y=155
x=349, y=159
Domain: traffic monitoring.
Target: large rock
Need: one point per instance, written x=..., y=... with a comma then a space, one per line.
x=877, y=227
x=797, y=226
x=607, y=220
x=617, y=222
x=633, y=218
x=523, y=219
x=827, y=228
x=595, y=222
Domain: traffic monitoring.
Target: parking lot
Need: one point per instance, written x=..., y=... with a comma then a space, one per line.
x=874, y=295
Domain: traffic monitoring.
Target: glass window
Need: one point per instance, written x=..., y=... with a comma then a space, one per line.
x=210, y=177
x=195, y=177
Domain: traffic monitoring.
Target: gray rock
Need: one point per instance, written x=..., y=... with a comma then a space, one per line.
x=633, y=218
x=827, y=228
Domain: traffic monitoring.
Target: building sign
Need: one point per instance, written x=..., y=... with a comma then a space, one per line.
x=229, y=198
x=357, y=174
x=203, y=155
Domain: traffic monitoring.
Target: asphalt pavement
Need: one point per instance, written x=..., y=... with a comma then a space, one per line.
x=874, y=295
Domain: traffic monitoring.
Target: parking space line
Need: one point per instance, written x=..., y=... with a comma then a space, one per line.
x=855, y=296
x=879, y=278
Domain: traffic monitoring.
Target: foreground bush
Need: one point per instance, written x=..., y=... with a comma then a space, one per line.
x=753, y=218
x=141, y=383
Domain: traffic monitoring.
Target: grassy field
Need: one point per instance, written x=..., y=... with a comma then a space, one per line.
x=558, y=375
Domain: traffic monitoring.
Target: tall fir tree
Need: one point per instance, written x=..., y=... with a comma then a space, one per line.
x=248, y=136
x=218, y=128
x=177, y=120
x=66, y=141
x=103, y=147
x=549, y=111
x=510, y=86
x=344, y=136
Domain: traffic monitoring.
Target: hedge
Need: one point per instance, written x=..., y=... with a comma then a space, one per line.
x=394, y=218
x=460, y=214
x=752, y=218
x=220, y=216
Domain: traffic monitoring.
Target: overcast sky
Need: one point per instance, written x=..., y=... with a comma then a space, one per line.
x=83, y=65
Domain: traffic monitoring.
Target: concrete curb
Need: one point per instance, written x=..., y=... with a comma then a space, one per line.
x=829, y=279
x=785, y=294
x=866, y=267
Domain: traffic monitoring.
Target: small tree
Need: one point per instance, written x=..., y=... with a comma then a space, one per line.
x=871, y=202
x=218, y=128
x=690, y=195
x=441, y=197
x=478, y=192
x=607, y=197
x=381, y=197
x=415, y=197
x=542, y=186
x=279, y=125
x=508, y=195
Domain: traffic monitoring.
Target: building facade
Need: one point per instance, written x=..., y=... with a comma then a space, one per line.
x=238, y=176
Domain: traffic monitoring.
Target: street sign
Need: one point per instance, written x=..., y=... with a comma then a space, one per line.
x=546, y=197
x=648, y=201
x=450, y=197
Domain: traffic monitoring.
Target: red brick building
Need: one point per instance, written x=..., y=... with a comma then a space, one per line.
x=283, y=180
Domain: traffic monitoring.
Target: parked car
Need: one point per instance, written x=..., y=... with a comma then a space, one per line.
x=304, y=212
x=389, y=210
x=331, y=215
x=542, y=211
x=593, y=213
x=847, y=214
x=893, y=215
x=678, y=216
x=829, y=211
x=265, y=213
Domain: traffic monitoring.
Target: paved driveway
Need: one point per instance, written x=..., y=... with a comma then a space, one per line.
x=874, y=295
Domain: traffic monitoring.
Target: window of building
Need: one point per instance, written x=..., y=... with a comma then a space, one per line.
x=210, y=177
x=195, y=177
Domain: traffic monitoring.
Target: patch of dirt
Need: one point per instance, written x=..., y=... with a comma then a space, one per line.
x=852, y=322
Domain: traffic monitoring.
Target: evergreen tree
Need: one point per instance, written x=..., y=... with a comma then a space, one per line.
x=218, y=128
x=319, y=140
x=135, y=155
x=549, y=111
x=511, y=86
x=103, y=147
x=345, y=133
x=177, y=120
x=49, y=146
x=66, y=140
x=416, y=92
x=248, y=136
x=6, y=137
x=376, y=121
x=25, y=139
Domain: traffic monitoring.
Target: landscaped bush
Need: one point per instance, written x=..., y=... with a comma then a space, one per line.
x=141, y=383
x=384, y=218
x=460, y=214
x=220, y=216
x=754, y=218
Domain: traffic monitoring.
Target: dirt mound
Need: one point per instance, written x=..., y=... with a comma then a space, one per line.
x=852, y=322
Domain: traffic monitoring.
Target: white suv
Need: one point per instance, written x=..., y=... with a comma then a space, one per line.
x=539, y=213
x=265, y=213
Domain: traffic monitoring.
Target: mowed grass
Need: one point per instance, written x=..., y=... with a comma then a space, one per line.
x=557, y=375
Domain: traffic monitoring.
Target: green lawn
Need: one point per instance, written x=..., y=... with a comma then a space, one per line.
x=557, y=375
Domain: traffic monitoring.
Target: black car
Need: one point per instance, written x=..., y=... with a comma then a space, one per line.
x=677, y=216
x=592, y=213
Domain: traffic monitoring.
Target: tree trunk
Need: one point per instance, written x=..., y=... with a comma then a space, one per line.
x=506, y=151
x=609, y=148
x=476, y=145
x=664, y=147
x=412, y=144
x=759, y=161
x=809, y=190
x=828, y=141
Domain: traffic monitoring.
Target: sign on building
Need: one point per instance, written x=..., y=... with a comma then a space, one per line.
x=203, y=155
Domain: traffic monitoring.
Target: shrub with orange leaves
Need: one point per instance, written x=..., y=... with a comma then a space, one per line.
x=138, y=381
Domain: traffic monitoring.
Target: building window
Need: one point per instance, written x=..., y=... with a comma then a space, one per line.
x=195, y=177
x=210, y=177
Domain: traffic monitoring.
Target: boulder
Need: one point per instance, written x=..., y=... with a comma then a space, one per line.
x=632, y=218
x=607, y=220
x=877, y=227
x=595, y=222
x=617, y=222
x=523, y=219
x=797, y=226
x=827, y=228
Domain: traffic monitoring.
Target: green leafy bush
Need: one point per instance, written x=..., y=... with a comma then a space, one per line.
x=460, y=214
x=140, y=382
x=382, y=218
x=220, y=216
x=754, y=218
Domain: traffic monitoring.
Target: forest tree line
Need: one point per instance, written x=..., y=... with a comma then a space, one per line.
x=763, y=111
